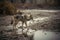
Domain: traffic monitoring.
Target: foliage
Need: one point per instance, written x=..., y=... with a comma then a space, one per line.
x=7, y=8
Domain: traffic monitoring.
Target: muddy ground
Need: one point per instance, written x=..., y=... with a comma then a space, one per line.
x=42, y=20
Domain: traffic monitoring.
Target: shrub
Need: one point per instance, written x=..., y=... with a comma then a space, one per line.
x=7, y=8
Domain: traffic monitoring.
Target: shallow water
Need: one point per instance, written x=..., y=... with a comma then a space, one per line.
x=46, y=35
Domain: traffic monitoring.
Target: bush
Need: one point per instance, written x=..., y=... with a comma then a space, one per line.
x=7, y=8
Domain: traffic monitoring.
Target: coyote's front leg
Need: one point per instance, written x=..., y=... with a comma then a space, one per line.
x=22, y=27
x=26, y=26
